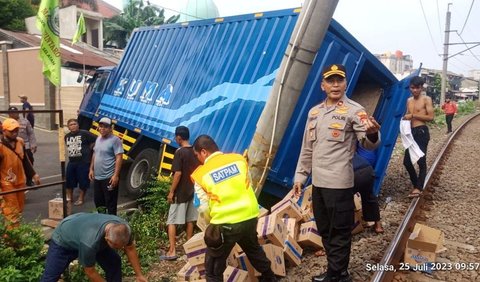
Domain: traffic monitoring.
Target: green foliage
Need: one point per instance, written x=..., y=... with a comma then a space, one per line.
x=149, y=224
x=21, y=252
x=136, y=14
x=13, y=13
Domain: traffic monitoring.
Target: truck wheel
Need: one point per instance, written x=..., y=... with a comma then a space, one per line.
x=140, y=171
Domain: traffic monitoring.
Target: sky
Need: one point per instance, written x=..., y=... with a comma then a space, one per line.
x=416, y=27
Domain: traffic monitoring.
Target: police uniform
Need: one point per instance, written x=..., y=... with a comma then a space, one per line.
x=232, y=204
x=328, y=146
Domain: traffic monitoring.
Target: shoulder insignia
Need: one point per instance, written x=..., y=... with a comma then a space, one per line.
x=311, y=125
x=362, y=115
x=314, y=112
x=340, y=103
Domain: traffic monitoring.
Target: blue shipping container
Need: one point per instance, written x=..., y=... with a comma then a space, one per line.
x=215, y=76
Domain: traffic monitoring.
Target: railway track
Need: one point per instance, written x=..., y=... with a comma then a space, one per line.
x=463, y=262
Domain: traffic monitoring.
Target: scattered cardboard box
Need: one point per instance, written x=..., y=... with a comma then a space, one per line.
x=55, y=208
x=271, y=229
x=305, y=200
x=275, y=255
x=292, y=227
x=245, y=264
x=195, y=249
x=357, y=199
x=202, y=222
x=309, y=236
x=287, y=208
x=423, y=245
x=292, y=251
x=232, y=274
x=262, y=212
x=357, y=222
x=188, y=273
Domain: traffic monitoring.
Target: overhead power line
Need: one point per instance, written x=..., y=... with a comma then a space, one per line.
x=428, y=27
x=438, y=19
x=468, y=15
x=466, y=45
x=175, y=11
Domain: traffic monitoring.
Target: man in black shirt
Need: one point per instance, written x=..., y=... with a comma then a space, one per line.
x=180, y=197
x=79, y=147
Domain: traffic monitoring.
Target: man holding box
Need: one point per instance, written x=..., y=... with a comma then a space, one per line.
x=227, y=199
x=332, y=130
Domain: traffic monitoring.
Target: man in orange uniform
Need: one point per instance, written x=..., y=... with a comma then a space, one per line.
x=14, y=167
x=450, y=110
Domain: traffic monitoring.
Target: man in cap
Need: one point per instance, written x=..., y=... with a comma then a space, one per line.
x=228, y=201
x=26, y=106
x=105, y=168
x=331, y=133
x=15, y=168
x=27, y=134
x=91, y=238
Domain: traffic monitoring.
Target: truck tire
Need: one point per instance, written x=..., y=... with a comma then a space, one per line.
x=140, y=171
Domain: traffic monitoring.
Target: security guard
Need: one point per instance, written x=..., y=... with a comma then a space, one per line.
x=332, y=130
x=227, y=198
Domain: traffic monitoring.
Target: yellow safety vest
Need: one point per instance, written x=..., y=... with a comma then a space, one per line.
x=224, y=177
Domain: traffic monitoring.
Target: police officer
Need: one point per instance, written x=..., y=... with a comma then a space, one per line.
x=227, y=198
x=332, y=130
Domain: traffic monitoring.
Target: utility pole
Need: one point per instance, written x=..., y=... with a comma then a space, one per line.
x=305, y=41
x=445, y=55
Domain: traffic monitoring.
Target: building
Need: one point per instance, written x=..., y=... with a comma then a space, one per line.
x=398, y=63
x=69, y=17
x=475, y=74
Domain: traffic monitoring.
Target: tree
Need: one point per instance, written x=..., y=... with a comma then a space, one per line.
x=13, y=14
x=118, y=29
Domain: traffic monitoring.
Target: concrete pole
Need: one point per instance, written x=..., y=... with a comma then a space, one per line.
x=6, y=77
x=305, y=41
x=445, y=55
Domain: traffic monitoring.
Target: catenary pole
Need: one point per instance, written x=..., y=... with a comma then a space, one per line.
x=305, y=41
x=445, y=55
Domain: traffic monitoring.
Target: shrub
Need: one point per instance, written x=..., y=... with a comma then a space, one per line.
x=148, y=224
x=21, y=252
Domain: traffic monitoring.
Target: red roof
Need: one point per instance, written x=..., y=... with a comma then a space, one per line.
x=92, y=58
x=105, y=9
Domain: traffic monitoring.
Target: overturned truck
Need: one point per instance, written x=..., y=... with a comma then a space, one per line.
x=215, y=77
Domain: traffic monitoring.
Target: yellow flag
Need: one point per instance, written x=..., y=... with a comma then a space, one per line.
x=80, y=29
x=48, y=24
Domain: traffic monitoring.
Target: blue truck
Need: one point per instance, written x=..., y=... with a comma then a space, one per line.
x=215, y=77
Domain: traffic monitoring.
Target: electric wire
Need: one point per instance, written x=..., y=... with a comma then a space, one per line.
x=466, y=45
x=175, y=11
x=438, y=19
x=428, y=27
x=468, y=15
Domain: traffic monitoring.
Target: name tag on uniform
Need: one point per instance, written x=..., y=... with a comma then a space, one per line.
x=225, y=173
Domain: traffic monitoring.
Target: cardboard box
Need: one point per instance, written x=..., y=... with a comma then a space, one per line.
x=55, y=208
x=292, y=251
x=307, y=215
x=292, y=227
x=423, y=245
x=202, y=222
x=195, y=249
x=305, y=200
x=232, y=274
x=188, y=273
x=263, y=212
x=275, y=255
x=287, y=208
x=271, y=229
x=244, y=263
x=357, y=199
x=358, y=222
x=232, y=257
x=309, y=236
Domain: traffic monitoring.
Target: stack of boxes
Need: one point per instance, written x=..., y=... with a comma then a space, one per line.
x=283, y=234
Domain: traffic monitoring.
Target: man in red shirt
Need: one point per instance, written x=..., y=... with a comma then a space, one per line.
x=450, y=110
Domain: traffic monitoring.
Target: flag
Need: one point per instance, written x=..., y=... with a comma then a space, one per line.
x=48, y=24
x=80, y=29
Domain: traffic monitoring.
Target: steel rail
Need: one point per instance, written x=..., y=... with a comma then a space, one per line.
x=394, y=252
